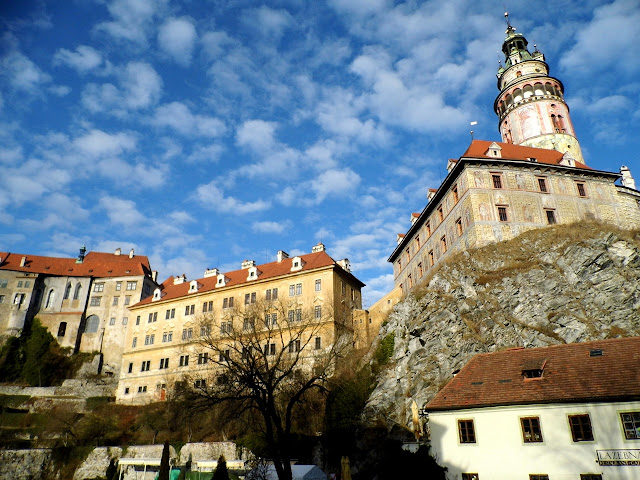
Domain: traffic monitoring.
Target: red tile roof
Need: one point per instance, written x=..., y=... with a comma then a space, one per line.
x=479, y=149
x=311, y=261
x=570, y=374
x=95, y=264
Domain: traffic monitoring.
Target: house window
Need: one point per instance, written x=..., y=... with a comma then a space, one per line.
x=153, y=317
x=184, y=360
x=502, y=214
x=459, y=226
x=118, y=286
x=67, y=292
x=431, y=258
x=138, y=320
x=50, y=298
x=590, y=476
x=318, y=343
x=112, y=321
x=343, y=287
x=417, y=242
x=3, y=282
x=551, y=216
x=318, y=285
x=443, y=243
x=1, y=298
x=127, y=300
x=130, y=369
x=531, y=429
x=98, y=287
x=497, y=180
x=189, y=309
x=227, y=302
x=248, y=324
x=225, y=327
x=428, y=229
x=187, y=333
x=76, y=293
x=294, y=346
x=132, y=285
x=298, y=314
x=538, y=476
x=203, y=358
x=542, y=185
x=62, y=329
x=205, y=330
x=95, y=301
x=142, y=389
x=410, y=280
x=466, y=431
x=135, y=342
x=581, y=189
x=271, y=294
x=207, y=307
x=581, y=428
x=125, y=320
x=454, y=191
x=164, y=363
x=146, y=366
x=631, y=425
x=440, y=213
x=420, y=272
x=318, y=312
x=470, y=476
x=298, y=289
x=20, y=284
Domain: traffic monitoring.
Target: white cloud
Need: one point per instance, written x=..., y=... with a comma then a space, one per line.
x=141, y=84
x=612, y=104
x=206, y=154
x=122, y=212
x=131, y=19
x=335, y=183
x=22, y=73
x=257, y=135
x=270, y=227
x=83, y=59
x=177, y=37
x=211, y=196
x=97, y=98
x=59, y=90
x=98, y=143
x=268, y=21
x=178, y=116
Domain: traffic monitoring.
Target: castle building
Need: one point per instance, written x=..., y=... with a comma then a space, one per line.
x=81, y=301
x=170, y=332
x=565, y=411
x=535, y=177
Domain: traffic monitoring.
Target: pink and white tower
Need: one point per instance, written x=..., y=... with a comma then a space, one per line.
x=531, y=106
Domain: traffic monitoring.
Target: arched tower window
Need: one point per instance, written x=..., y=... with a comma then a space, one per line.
x=76, y=294
x=62, y=329
x=67, y=291
x=50, y=298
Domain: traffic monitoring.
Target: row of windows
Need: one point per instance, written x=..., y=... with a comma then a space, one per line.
x=580, y=426
x=21, y=283
x=99, y=286
x=543, y=184
x=96, y=301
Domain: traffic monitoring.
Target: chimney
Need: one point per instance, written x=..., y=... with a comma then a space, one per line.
x=131, y=253
x=181, y=279
x=318, y=248
x=399, y=238
x=345, y=264
x=451, y=163
x=282, y=255
x=211, y=272
x=627, y=179
x=83, y=250
x=118, y=251
x=414, y=217
x=23, y=261
x=431, y=193
x=154, y=276
x=248, y=264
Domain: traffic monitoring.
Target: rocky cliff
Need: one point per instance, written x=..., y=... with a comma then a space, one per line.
x=555, y=285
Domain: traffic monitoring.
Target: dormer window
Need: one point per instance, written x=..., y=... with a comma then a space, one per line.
x=253, y=273
x=193, y=286
x=495, y=150
x=533, y=368
x=221, y=280
x=296, y=264
x=157, y=295
x=534, y=373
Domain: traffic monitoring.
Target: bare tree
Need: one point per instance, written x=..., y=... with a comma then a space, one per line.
x=268, y=358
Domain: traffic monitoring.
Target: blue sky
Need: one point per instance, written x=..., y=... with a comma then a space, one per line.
x=203, y=133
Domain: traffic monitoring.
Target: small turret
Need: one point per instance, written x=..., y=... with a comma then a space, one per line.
x=83, y=251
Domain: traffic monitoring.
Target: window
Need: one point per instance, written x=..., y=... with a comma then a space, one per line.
x=227, y=302
x=443, y=243
x=62, y=329
x=142, y=389
x=125, y=320
x=590, y=476
x=551, y=216
x=205, y=330
x=202, y=383
x=318, y=285
x=130, y=369
x=294, y=346
x=581, y=428
x=189, y=309
x=76, y=293
x=127, y=299
x=248, y=324
x=112, y=321
x=250, y=298
x=132, y=285
x=270, y=349
x=466, y=431
x=470, y=476
x=20, y=284
x=344, y=288
x=431, y=258
x=67, y=291
x=428, y=229
x=581, y=189
x=459, y=226
x=203, y=358
x=317, y=312
x=542, y=184
x=118, y=286
x=153, y=317
x=184, y=360
x=253, y=297
x=167, y=337
x=167, y=314
x=146, y=366
x=207, y=307
x=291, y=315
x=1, y=298
x=631, y=425
x=502, y=214
x=138, y=320
x=318, y=343
x=298, y=314
x=497, y=180
x=135, y=342
x=115, y=301
x=454, y=191
x=538, y=476
x=95, y=301
x=50, y=298
x=19, y=298
x=225, y=327
x=164, y=363
x=531, y=429
x=3, y=282
x=440, y=213
x=98, y=287
x=187, y=333
x=420, y=271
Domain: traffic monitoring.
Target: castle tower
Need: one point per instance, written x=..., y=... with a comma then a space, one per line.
x=531, y=106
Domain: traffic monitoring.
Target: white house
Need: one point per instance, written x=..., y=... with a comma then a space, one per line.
x=555, y=413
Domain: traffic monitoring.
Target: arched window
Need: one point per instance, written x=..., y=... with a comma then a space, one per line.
x=76, y=294
x=92, y=324
x=50, y=298
x=62, y=329
x=67, y=291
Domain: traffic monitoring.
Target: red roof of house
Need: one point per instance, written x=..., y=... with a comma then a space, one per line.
x=310, y=261
x=95, y=264
x=570, y=373
x=509, y=151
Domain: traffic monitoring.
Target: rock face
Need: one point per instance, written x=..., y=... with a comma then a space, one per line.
x=556, y=285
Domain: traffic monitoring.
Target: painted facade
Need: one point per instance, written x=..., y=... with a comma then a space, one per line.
x=167, y=341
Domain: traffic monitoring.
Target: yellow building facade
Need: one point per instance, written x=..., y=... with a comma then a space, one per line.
x=304, y=303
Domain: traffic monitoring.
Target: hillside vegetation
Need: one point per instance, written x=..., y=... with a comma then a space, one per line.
x=563, y=284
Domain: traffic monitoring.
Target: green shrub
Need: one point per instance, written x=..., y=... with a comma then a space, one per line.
x=384, y=352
